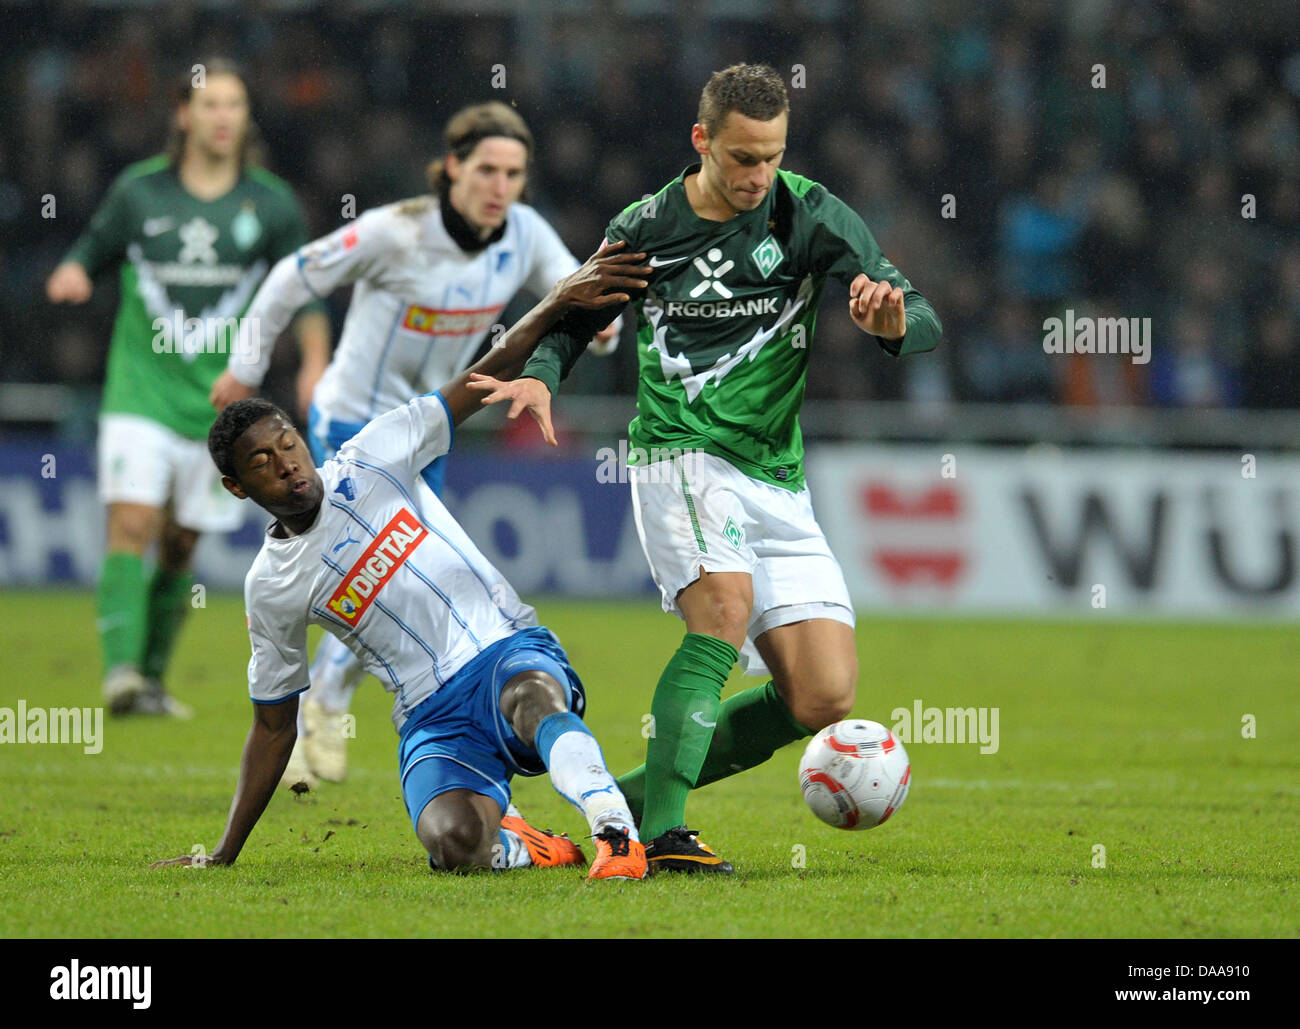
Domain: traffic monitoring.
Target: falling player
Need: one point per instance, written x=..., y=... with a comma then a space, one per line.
x=363, y=548
x=195, y=231
x=432, y=276
x=741, y=252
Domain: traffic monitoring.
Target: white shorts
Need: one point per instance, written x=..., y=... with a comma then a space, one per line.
x=698, y=512
x=144, y=462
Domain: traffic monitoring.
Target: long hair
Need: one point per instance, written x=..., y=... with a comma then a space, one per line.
x=466, y=128
x=251, y=151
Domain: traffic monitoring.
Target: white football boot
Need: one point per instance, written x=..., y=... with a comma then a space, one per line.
x=123, y=686
x=325, y=745
x=298, y=775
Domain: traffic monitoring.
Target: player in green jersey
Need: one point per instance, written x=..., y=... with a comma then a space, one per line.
x=741, y=251
x=194, y=232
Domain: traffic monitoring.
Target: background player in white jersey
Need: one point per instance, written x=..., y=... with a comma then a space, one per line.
x=363, y=548
x=432, y=276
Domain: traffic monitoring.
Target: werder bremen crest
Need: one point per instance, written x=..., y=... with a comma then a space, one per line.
x=767, y=255
x=244, y=227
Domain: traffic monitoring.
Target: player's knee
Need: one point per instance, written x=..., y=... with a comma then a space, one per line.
x=131, y=527
x=718, y=604
x=176, y=547
x=527, y=699
x=722, y=614
x=825, y=699
x=455, y=838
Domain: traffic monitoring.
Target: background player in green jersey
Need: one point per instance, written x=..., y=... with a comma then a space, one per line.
x=741, y=252
x=194, y=231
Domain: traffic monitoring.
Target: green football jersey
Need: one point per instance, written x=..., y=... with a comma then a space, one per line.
x=182, y=258
x=725, y=328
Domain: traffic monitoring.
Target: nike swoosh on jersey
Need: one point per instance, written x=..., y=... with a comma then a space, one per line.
x=698, y=719
x=157, y=226
x=655, y=262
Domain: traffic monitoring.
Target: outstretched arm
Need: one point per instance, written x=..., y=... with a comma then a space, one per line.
x=266, y=754
x=313, y=331
x=588, y=288
x=282, y=292
x=103, y=243
x=307, y=274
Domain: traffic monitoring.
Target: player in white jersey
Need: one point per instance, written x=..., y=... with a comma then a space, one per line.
x=363, y=548
x=432, y=276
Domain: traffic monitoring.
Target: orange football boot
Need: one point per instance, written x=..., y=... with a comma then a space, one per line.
x=618, y=856
x=547, y=849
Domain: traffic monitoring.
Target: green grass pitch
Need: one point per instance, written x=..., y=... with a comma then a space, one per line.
x=1127, y=737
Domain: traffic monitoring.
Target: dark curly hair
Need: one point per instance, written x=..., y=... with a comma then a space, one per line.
x=754, y=90
x=232, y=423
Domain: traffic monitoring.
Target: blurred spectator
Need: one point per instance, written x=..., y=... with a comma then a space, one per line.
x=1116, y=244
x=1185, y=369
x=1007, y=363
x=1272, y=372
x=1038, y=241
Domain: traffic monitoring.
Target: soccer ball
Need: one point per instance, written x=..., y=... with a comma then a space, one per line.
x=854, y=774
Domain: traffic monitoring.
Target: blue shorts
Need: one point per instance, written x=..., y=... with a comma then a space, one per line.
x=459, y=740
x=325, y=436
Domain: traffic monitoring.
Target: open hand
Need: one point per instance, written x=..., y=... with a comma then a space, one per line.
x=530, y=394
x=189, y=860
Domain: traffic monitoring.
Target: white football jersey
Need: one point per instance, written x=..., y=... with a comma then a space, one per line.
x=421, y=306
x=384, y=567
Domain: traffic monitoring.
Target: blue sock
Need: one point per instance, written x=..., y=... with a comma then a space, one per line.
x=551, y=728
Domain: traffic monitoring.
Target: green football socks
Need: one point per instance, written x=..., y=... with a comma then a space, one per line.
x=752, y=726
x=685, y=710
x=121, y=608
x=169, y=596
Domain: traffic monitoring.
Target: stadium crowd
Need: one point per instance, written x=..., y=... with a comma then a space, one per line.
x=1125, y=159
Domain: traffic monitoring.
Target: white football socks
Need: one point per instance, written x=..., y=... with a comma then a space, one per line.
x=579, y=775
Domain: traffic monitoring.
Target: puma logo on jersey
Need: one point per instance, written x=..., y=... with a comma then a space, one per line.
x=376, y=566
